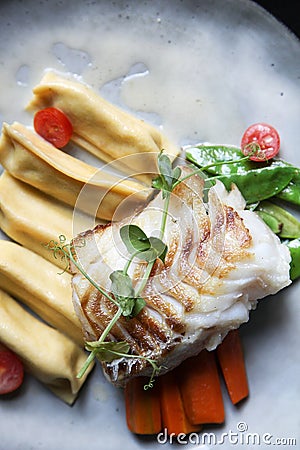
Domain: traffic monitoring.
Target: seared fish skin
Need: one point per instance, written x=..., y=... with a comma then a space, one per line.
x=221, y=259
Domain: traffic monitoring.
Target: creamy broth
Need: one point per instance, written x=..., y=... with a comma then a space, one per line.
x=195, y=80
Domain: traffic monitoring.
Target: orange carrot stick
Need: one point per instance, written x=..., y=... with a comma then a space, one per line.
x=173, y=414
x=201, y=390
x=143, y=414
x=231, y=359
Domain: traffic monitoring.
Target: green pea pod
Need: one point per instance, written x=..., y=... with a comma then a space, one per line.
x=259, y=184
x=271, y=221
x=256, y=181
x=289, y=226
x=204, y=155
x=291, y=193
x=294, y=248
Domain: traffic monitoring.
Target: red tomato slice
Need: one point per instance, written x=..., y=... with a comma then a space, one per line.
x=54, y=126
x=11, y=371
x=262, y=137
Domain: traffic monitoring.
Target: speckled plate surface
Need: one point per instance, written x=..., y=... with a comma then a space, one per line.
x=203, y=71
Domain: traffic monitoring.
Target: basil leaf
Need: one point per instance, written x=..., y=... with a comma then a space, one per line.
x=134, y=238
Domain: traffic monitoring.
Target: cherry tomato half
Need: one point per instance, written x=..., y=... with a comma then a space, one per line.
x=264, y=139
x=54, y=126
x=11, y=371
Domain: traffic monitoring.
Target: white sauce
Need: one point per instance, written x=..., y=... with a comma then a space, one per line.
x=177, y=67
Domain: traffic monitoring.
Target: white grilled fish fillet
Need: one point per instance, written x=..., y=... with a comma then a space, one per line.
x=221, y=259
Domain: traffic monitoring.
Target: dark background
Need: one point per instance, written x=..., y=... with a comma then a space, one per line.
x=285, y=11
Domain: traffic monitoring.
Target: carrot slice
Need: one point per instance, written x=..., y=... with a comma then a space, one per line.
x=174, y=418
x=231, y=359
x=201, y=389
x=143, y=414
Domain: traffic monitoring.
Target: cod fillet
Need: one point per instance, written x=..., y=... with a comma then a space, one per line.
x=221, y=259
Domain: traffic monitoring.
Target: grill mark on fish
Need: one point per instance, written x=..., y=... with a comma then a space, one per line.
x=166, y=310
x=144, y=342
x=144, y=336
x=172, y=250
x=153, y=326
x=99, y=313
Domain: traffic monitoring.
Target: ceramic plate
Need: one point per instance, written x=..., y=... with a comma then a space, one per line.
x=202, y=71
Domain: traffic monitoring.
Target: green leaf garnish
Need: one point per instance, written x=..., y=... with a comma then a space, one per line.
x=142, y=247
x=139, y=304
x=122, y=288
x=167, y=177
x=134, y=238
x=108, y=351
x=158, y=249
x=121, y=284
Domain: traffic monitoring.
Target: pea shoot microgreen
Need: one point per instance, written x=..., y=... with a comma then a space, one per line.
x=122, y=293
x=141, y=246
x=167, y=177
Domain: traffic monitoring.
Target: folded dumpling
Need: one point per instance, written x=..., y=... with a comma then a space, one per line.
x=101, y=128
x=49, y=355
x=33, y=219
x=37, y=283
x=30, y=158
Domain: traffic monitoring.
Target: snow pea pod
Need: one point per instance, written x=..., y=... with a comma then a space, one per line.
x=288, y=225
x=291, y=193
x=271, y=221
x=204, y=155
x=294, y=248
x=256, y=181
x=259, y=184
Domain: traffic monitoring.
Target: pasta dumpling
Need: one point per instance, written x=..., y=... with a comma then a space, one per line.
x=47, y=354
x=20, y=202
x=30, y=158
x=101, y=128
x=36, y=282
